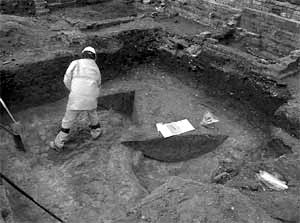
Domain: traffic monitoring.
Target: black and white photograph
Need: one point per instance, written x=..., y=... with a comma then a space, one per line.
x=150, y=111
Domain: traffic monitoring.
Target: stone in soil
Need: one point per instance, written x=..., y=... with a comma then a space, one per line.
x=282, y=205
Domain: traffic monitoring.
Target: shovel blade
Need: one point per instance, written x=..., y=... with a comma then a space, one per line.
x=19, y=143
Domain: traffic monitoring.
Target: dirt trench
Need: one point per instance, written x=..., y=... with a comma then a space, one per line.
x=107, y=181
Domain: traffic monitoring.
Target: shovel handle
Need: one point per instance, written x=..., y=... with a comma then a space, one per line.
x=6, y=129
x=6, y=108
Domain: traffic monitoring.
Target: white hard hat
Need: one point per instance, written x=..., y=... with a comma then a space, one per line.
x=89, y=49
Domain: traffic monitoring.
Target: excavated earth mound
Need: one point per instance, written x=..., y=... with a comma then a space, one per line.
x=181, y=200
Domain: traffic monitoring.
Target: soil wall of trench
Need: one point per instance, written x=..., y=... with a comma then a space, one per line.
x=31, y=84
x=232, y=75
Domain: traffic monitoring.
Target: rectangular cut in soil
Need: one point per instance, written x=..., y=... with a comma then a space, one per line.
x=121, y=102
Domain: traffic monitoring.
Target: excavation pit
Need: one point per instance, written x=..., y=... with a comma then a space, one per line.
x=100, y=181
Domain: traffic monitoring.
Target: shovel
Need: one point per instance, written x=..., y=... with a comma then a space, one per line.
x=29, y=197
x=16, y=129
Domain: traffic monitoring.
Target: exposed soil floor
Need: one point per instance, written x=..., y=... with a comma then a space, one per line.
x=165, y=95
x=99, y=181
x=79, y=184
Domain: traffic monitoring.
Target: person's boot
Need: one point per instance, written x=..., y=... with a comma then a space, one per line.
x=96, y=131
x=59, y=141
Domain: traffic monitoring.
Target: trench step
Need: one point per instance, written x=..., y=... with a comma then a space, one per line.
x=173, y=149
x=85, y=26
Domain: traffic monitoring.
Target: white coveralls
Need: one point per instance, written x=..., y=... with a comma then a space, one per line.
x=83, y=79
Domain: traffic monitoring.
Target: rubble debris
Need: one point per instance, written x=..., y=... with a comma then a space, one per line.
x=179, y=43
x=182, y=200
x=204, y=35
x=282, y=204
x=208, y=118
x=194, y=50
x=160, y=9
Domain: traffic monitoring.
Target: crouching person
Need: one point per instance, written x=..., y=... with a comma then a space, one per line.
x=83, y=79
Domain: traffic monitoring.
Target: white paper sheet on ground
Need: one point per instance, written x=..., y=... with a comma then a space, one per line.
x=174, y=128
